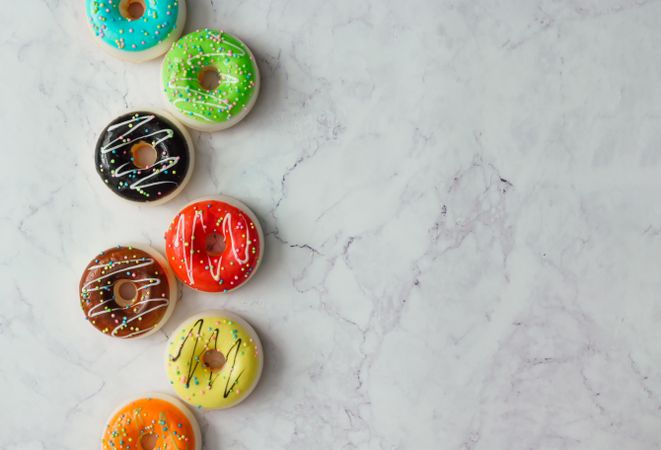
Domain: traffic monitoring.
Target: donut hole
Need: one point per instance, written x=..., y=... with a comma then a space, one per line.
x=132, y=9
x=213, y=360
x=126, y=293
x=215, y=244
x=209, y=78
x=148, y=441
x=144, y=155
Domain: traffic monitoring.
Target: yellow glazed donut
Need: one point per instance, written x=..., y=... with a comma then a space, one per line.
x=214, y=360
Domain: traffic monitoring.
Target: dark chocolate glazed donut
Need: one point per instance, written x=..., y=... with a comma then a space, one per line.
x=120, y=157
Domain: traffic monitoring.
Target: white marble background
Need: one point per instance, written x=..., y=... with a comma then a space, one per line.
x=462, y=217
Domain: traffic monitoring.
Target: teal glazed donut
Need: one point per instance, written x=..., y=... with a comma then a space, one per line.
x=136, y=30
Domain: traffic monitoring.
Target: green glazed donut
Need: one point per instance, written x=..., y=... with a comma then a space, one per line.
x=213, y=55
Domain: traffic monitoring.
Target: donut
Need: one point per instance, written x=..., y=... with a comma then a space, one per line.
x=155, y=421
x=214, y=360
x=210, y=80
x=128, y=292
x=214, y=245
x=145, y=156
x=136, y=30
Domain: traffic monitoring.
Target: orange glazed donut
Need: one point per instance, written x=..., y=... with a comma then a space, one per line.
x=155, y=421
x=214, y=245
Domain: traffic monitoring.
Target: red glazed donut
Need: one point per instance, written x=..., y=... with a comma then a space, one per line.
x=214, y=245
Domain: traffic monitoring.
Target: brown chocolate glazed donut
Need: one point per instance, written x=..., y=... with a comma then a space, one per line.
x=128, y=292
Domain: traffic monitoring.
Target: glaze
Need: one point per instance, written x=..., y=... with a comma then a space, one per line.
x=132, y=37
x=226, y=384
x=186, y=244
x=159, y=419
x=152, y=286
x=161, y=180
x=238, y=79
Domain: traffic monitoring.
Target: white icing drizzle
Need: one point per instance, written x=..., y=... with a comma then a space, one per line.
x=199, y=92
x=98, y=311
x=163, y=303
x=141, y=262
x=110, y=146
x=139, y=184
x=180, y=240
x=227, y=231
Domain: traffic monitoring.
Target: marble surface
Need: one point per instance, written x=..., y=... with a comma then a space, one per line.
x=459, y=197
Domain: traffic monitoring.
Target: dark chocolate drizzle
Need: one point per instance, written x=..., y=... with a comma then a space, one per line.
x=114, y=159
